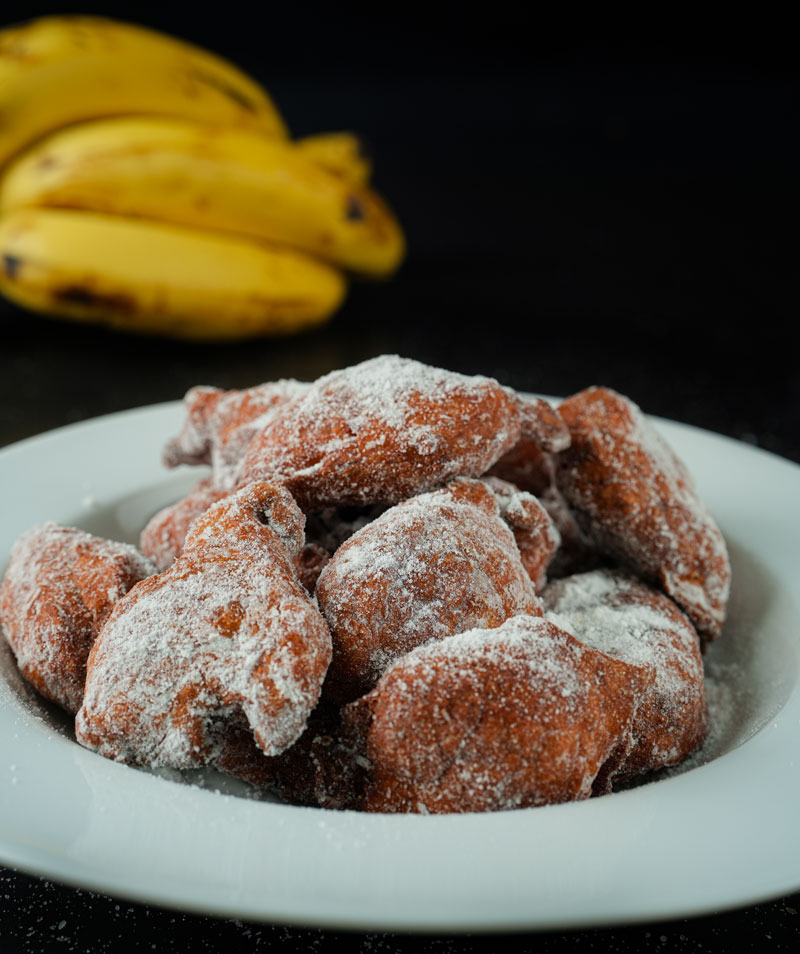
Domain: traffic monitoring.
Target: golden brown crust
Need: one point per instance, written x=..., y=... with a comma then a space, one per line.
x=443, y=687
x=226, y=634
x=520, y=715
x=59, y=588
x=220, y=424
x=629, y=620
x=434, y=565
x=535, y=533
x=388, y=429
x=636, y=502
x=163, y=536
x=193, y=444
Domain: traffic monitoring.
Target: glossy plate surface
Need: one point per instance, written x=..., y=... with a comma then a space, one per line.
x=723, y=833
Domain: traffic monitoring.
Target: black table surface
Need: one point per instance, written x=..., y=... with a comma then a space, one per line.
x=574, y=217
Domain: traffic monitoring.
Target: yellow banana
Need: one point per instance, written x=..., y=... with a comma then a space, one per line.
x=214, y=177
x=59, y=70
x=160, y=279
x=341, y=153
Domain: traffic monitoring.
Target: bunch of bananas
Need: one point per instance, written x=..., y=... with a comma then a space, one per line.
x=152, y=186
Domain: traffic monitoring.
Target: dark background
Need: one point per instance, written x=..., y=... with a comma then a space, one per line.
x=607, y=201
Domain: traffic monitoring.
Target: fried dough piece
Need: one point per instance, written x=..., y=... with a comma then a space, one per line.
x=226, y=636
x=390, y=428
x=163, y=536
x=637, y=503
x=434, y=565
x=486, y=720
x=220, y=424
x=60, y=586
x=536, y=534
x=624, y=618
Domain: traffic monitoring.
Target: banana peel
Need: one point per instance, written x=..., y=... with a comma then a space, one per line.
x=152, y=278
x=59, y=70
x=217, y=177
x=150, y=185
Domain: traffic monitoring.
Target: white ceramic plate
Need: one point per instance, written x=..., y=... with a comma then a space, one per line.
x=724, y=833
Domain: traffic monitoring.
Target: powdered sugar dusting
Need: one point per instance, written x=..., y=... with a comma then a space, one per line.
x=387, y=387
x=494, y=719
x=60, y=585
x=384, y=430
x=535, y=532
x=434, y=565
x=636, y=502
x=239, y=416
x=527, y=639
x=163, y=536
x=624, y=618
x=219, y=425
x=472, y=700
x=227, y=630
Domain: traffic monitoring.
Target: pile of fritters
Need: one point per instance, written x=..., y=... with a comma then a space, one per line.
x=396, y=589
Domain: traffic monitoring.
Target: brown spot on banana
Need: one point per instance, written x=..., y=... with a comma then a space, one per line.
x=11, y=266
x=227, y=89
x=355, y=211
x=86, y=297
